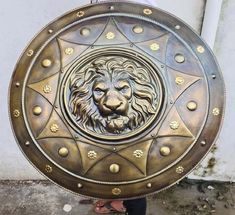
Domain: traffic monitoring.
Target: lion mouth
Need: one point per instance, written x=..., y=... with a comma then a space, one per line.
x=116, y=123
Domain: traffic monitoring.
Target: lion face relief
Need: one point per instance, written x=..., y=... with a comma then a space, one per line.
x=112, y=95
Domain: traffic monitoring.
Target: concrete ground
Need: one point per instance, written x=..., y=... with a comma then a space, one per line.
x=187, y=198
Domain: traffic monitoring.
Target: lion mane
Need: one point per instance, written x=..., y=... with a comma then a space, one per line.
x=142, y=104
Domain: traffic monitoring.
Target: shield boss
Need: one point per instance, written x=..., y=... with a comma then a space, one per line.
x=116, y=100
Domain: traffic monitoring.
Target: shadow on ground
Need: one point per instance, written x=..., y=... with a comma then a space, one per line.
x=187, y=198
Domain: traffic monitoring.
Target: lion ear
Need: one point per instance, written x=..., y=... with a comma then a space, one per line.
x=89, y=74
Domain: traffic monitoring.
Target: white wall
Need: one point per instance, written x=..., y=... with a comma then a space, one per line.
x=20, y=20
x=224, y=49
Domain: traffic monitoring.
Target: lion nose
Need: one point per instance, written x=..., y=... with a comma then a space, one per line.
x=112, y=104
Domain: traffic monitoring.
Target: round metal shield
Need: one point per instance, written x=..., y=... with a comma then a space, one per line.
x=116, y=100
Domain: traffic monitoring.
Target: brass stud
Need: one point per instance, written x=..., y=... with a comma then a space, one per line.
x=110, y=35
x=50, y=31
x=179, y=169
x=85, y=32
x=27, y=143
x=69, y=51
x=174, y=125
x=46, y=63
x=63, y=152
x=37, y=110
x=48, y=168
x=147, y=11
x=203, y=142
x=16, y=113
x=80, y=185
x=17, y=84
x=179, y=58
x=165, y=150
x=138, y=153
x=200, y=49
x=149, y=185
x=216, y=111
x=138, y=29
x=116, y=191
x=154, y=46
x=30, y=52
x=80, y=13
x=92, y=155
x=192, y=106
x=47, y=88
x=179, y=80
x=114, y=168
x=54, y=128
x=177, y=27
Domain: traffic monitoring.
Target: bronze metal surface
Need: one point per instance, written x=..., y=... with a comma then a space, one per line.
x=116, y=100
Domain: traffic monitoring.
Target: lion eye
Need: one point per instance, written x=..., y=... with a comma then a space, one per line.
x=124, y=89
x=98, y=90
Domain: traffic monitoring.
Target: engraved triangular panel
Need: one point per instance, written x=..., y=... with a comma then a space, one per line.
x=50, y=55
x=55, y=127
x=137, y=154
x=91, y=155
x=190, y=64
x=70, y=51
x=127, y=171
x=86, y=32
x=36, y=121
x=174, y=126
x=64, y=152
x=177, y=147
x=145, y=30
x=47, y=87
x=156, y=47
x=179, y=82
x=111, y=35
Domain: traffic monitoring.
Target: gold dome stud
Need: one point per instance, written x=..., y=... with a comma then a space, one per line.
x=63, y=152
x=114, y=168
x=37, y=110
x=46, y=63
x=179, y=58
x=200, y=49
x=85, y=32
x=149, y=185
x=165, y=151
x=192, y=106
x=138, y=29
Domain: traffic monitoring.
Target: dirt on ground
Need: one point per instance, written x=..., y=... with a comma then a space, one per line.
x=189, y=197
